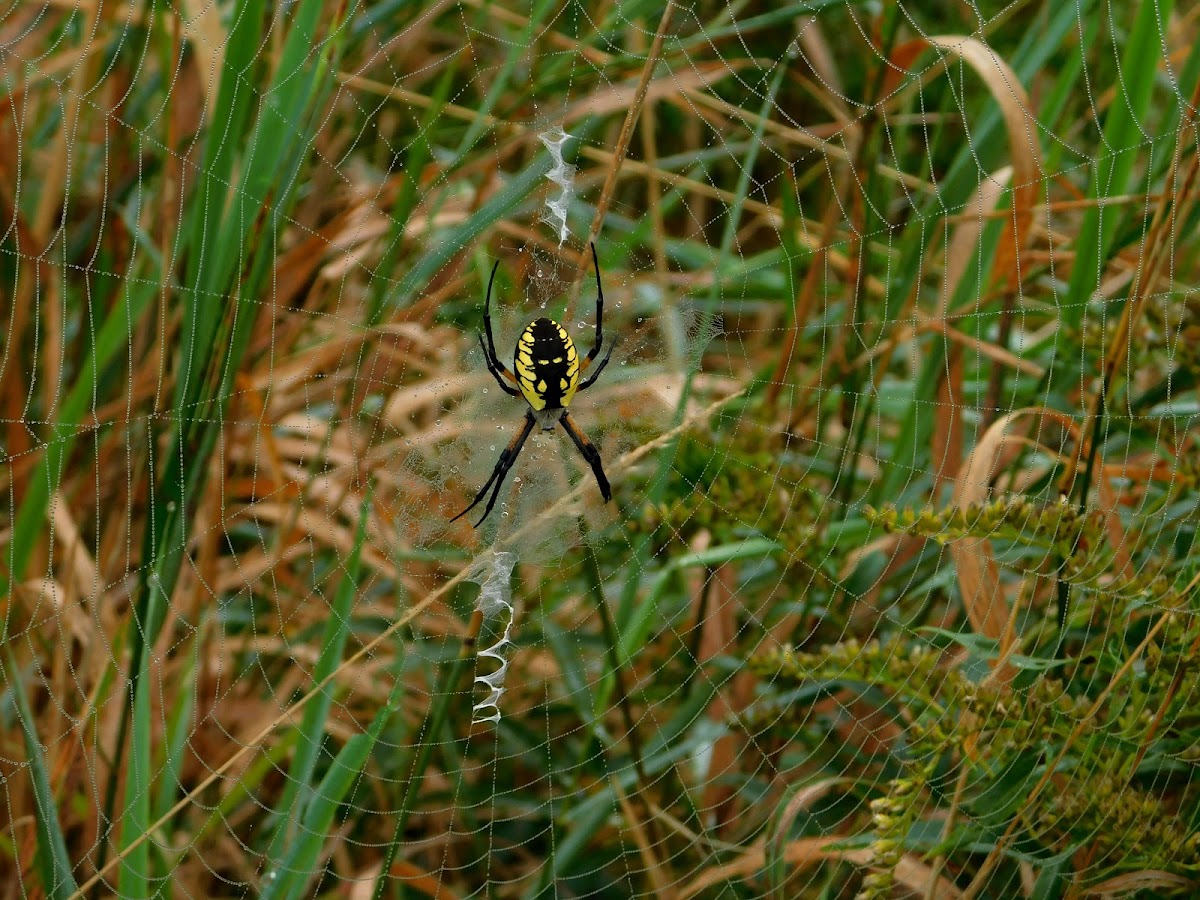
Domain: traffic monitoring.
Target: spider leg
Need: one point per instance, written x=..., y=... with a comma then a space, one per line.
x=508, y=456
x=587, y=382
x=587, y=360
x=589, y=452
x=496, y=367
x=507, y=388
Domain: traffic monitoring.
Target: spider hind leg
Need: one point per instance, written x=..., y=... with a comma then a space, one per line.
x=589, y=452
x=508, y=456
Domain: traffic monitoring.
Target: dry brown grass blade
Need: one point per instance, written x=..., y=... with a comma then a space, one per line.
x=654, y=185
x=1026, y=176
x=1021, y=124
x=366, y=651
x=80, y=579
x=978, y=574
x=801, y=853
x=320, y=527
x=947, y=430
x=412, y=877
x=622, y=146
x=701, y=77
x=1023, y=146
x=1145, y=880
x=1109, y=501
x=802, y=799
x=659, y=877
x=910, y=871
x=718, y=632
x=202, y=27
x=996, y=354
x=821, y=57
x=53, y=174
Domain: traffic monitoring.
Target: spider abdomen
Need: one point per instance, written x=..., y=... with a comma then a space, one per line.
x=547, y=365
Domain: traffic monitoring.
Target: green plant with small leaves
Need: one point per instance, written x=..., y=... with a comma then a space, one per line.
x=1100, y=778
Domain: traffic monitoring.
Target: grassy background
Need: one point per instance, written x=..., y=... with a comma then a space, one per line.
x=897, y=595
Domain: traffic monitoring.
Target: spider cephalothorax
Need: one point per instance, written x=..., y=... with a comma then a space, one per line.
x=548, y=371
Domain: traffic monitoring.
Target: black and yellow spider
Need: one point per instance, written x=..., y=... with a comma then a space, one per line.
x=548, y=372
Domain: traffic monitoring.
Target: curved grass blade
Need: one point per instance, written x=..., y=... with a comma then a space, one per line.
x=53, y=864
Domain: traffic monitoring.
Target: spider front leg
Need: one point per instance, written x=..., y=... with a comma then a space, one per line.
x=492, y=365
x=497, y=368
x=508, y=456
x=587, y=360
x=587, y=382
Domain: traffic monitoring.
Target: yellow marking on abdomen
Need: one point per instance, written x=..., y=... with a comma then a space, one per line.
x=532, y=397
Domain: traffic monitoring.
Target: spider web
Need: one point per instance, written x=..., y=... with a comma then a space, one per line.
x=896, y=594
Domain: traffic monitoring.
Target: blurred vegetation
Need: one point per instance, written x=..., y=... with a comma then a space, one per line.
x=898, y=593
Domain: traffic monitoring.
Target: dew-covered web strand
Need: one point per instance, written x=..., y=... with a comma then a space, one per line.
x=705, y=317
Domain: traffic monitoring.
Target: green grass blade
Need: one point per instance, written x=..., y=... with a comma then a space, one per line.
x=515, y=192
x=180, y=722
x=419, y=752
x=587, y=821
x=282, y=135
x=289, y=880
x=134, y=879
x=504, y=201
x=501, y=80
x=113, y=335
x=1123, y=136
x=227, y=135
x=408, y=196
x=280, y=142
x=53, y=863
x=316, y=713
